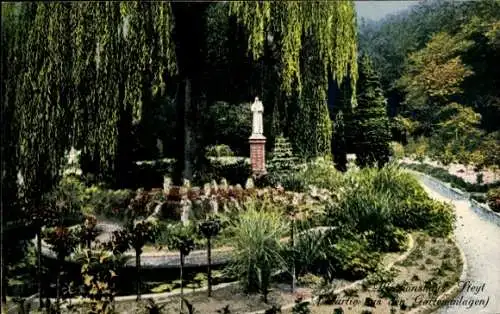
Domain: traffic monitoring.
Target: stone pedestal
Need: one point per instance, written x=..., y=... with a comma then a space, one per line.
x=258, y=154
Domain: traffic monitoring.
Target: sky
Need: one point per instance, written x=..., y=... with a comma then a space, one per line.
x=376, y=10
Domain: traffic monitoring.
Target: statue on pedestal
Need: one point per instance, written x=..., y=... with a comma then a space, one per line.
x=257, y=122
x=257, y=139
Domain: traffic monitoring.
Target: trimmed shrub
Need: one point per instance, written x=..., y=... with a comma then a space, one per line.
x=235, y=173
x=283, y=159
x=219, y=151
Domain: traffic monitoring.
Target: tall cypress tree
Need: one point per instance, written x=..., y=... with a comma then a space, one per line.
x=370, y=126
x=342, y=139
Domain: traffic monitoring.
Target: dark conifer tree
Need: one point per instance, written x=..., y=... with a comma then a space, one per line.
x=370, y=126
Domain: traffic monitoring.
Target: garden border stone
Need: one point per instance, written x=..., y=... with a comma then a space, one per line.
x=485, y=211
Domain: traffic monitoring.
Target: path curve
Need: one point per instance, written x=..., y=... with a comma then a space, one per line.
x=170, y=259
x=480, y=241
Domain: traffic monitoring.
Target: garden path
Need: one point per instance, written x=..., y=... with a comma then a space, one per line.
x=480, y=241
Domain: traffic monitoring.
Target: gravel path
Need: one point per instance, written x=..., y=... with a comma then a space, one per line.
x=480, y=241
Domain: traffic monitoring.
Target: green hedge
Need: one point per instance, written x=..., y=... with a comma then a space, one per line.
x=149, y=174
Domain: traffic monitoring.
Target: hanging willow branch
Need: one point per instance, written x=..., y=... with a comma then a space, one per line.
x=333, y=23
x=83, y=69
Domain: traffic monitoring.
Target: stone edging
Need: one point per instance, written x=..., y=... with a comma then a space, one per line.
x=313, y=300
x=451, y=292
x=485, y=211
x=443, y=185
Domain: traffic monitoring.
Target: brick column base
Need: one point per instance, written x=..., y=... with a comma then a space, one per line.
x=258, y=154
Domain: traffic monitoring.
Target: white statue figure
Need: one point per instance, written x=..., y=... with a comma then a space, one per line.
x=257, y=122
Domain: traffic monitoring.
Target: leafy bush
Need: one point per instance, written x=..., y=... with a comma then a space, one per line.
x=309, y=255
x=395, y=181
x=322, y=174
x=363, y=209
x=375, y=199
x=99, y=273
x=417, y=149
x=368, y=211
x=479, y=197
x=221, y=150
x=310, y=280
x=437, y=217
x=301, y=307
x=397, y=150
x=67, y=199
x=149, y=174
x=352, y=259
x=335, y=253
x=493, y=197
x=108, y=203
x=234, y=172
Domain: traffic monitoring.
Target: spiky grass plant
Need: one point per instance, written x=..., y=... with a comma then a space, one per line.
x=258, y=252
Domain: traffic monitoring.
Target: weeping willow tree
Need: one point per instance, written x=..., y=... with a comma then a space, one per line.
x=123, y=51
x=82, y=74
x=89, y=68
x=76, y=74
x=316, y=41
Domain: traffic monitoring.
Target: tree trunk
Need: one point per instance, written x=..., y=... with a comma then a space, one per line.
x=58, y=283
x=39, y=265
x=188, y=134
x=209, y=268
x=138, y=270
x=293, y=254
x=4, y=281
x=182, y=283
